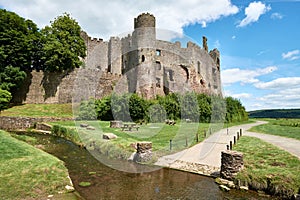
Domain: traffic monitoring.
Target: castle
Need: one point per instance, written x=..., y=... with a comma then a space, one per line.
x=138, y=63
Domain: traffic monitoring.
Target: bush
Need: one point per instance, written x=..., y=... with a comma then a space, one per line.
x=87, y=110
x=196, y=107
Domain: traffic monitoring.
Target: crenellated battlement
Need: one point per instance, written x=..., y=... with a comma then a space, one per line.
x=144, y=20
x=96, y=39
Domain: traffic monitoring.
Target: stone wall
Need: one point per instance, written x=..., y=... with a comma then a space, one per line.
x=79, y=84
x=23, y=123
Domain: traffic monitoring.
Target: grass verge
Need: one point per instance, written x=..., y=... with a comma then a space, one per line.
x=27, y=172
x=40, y=110
x=268, y=168
x=183, y=135
x=281, y=127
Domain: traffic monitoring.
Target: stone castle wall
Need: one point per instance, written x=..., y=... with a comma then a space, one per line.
x=65, y=87
x=136, y=63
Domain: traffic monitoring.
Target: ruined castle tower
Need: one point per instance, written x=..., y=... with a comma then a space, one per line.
x=144, y=42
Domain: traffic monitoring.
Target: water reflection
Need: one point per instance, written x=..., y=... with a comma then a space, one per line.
x=108, y=183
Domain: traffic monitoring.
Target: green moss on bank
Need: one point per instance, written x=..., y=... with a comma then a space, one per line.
x=40, y=110
x=268, y=168
x=27, y=172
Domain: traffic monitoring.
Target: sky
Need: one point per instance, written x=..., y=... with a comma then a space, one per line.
x=258, y=40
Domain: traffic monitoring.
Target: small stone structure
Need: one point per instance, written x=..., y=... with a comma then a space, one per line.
x=143, y=152
x=116, y=124
x=231, y=164
x=23, y=123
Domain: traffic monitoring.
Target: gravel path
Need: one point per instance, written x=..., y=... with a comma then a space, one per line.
x=205, y=157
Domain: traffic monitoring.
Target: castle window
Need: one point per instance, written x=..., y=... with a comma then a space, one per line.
x=202, y=82
x=158, y=52
x=171, y=75
x=214, y=70
x=158, y=82
x=199, y=67
x=143, y=58
x=158, y=65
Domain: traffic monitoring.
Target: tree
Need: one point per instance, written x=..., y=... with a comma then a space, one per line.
x=204, y=103
x=137, y=107
x=11, y=77
x=63, y=45
x=87, y=110
x=189, y=107
x=235, y=110
x=171, y=104
x=20, y=42
x=19, y=39
x=5, y=98
x=103, y=108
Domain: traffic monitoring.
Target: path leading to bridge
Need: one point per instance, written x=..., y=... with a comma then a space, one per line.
x=205, y=157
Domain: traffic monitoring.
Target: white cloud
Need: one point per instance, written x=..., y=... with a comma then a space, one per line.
x=253, y=12
x=241, y=95
x=291, y=55
x=276, y=16
x=235, y=75
x=110, y=18
x=233, y=37
x=285, y=93
x=284, y=84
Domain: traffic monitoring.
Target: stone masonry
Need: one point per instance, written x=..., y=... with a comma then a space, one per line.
x=231, y=164
x=138, y=63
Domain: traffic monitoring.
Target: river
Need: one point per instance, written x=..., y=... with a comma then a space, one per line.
x=107, y=183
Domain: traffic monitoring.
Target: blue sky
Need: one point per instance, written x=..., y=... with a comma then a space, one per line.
x=258, y=40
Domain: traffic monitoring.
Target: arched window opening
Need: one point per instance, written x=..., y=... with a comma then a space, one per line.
x=198, y=67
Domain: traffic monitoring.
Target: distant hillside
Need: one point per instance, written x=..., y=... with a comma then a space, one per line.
x=275, y=113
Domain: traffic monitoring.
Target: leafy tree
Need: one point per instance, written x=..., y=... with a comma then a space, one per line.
x=5, y=98
x=11, y=77
x=171, y=104
x=189, y=107
x=235, y=110
x=20, y=42
x=218, y=107
x=103, y=108
x=87, y=110
x=156, y=113
x=120, y=107
x=63, y=45
x=204, y=104
x=137, y=107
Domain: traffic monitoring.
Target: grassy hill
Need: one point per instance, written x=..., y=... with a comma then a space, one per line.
x=275, y=113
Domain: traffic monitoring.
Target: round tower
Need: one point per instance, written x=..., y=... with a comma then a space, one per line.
x=144, y=44
x=144, y=31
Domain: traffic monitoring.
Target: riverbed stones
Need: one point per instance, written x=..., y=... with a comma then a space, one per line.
x=143, y=152
x=231, y=164
x=116, y=124
x=224, y=188
x=43, y=126
x=225, y=182
x=84, y=125
x=91, y=128
x=244, y=188
x=109, y=136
